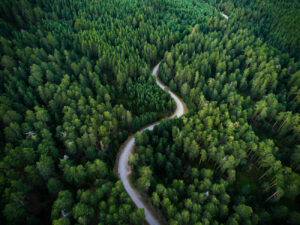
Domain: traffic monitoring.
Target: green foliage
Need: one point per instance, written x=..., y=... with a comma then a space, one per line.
x=137, y=217
x=149, y=98
x=70, y=95
x=63, y=202
x=243, y=125
x=46, y=166
x=61, y=221
x=75, y=81
x=144, y=182
x=275, y=21
x=54, y=186
x=83, y=213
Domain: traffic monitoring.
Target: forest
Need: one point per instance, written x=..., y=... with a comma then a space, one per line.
x=76, y=83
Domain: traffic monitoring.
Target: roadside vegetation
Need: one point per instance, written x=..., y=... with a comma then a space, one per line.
x=234, y=159
x=75, y=82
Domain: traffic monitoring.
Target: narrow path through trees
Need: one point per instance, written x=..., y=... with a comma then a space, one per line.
x=224, y=15
x=124, y=170
x=127, y=149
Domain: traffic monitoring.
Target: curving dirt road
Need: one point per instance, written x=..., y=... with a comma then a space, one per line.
x=127, y=148
x=224, y=15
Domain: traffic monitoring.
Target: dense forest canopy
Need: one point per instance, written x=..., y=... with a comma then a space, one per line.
x=75, y=82
x=276, y=21
x=234, y=159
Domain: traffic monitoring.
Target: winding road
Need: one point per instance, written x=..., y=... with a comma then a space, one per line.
x=124, y=170
x=224, y=15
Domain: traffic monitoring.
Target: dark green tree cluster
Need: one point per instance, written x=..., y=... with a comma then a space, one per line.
x=242, y=71
x=240, y=140
x=75, y=81
x=211, y=168
x=149, y=98
x=275, y=21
